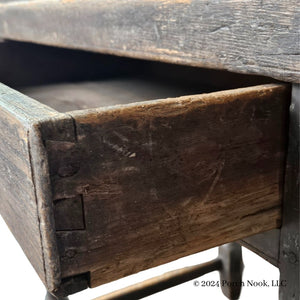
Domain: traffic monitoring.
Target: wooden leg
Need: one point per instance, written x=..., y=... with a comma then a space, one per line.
x=232, y=270
x=289, y=237
x=51, y=297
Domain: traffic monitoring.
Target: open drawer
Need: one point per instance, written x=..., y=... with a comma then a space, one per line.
x=97, y=183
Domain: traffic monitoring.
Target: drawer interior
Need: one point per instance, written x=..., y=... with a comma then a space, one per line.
x=92, y=94
x=69, y=80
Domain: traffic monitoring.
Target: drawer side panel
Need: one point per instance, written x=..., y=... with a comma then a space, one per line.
x=25, y=189
x=18, y=205
x=167, y=178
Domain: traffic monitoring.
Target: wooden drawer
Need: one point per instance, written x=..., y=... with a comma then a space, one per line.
x=97, y=183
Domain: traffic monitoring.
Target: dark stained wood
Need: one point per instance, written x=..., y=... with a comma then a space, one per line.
x=167, y=178
x=289, y=235
x=129, y=187
x=261, y=38
x=162, y=282
x=158, y=81
x=69, y=214
x=57, y=67
x=51, y=297
x=25, y=197
x=77, y=96
x=265, y=245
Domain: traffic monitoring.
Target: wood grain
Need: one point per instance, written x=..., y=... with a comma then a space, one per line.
x=25, y=196
x=289, y=234
x=156, y=81
x=17, y=197
x=77, y=96
x=167, y=178
x=265, y=244
x=254, y=37
x=68, y=214
x=129, y=187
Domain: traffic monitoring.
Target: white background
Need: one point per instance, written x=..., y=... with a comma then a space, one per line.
x=18, y=279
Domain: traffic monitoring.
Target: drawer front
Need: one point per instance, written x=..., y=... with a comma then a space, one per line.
x=134, y=186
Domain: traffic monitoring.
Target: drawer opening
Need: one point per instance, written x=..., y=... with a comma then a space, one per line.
x=68, y=80
x=143, y=184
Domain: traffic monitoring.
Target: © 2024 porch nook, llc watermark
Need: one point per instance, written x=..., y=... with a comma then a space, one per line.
x=243, y=283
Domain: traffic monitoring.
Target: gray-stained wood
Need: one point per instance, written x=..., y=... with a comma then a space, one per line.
x=258, y=37
x=132, y=186
x=25, y=198
x=125, y=163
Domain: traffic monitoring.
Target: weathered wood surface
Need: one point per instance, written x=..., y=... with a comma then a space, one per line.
x=17, y=197
x=120, y=199
x=258, y=37
x=25, y=197
x=289, y=235
x=77, y=96
x=265, y=244
x=163, y=179
x=79, y=67
x=155, y=81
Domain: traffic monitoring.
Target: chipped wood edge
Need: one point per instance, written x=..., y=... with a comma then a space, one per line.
x=218, y=97
x=61, y=128
x=41, y=179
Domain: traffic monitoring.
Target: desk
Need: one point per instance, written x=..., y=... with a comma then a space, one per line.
x=260, y=39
